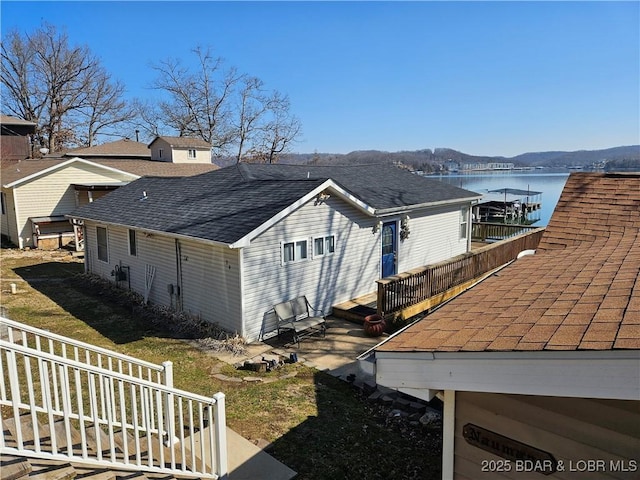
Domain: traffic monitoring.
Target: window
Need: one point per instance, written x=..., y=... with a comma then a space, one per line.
x=160, y=152
x=294, y=251
x=103, y=247
x=3, y=203
x=192, y=153
x=133, y=249
x=464, y=218
x=324, y=245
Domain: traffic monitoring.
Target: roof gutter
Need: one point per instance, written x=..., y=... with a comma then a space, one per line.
x=154, y=232
x=394, y=210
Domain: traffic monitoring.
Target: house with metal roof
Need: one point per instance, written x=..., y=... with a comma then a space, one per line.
x=228, y=245
x=538, y=366
x=37, y=193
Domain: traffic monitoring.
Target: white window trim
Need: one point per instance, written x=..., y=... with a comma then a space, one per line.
x=295, y=241
x=324, y=245
x=135, y=234
x=98, y=244
x=464, y=220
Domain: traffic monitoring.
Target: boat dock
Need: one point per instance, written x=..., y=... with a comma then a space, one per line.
x=509, y=205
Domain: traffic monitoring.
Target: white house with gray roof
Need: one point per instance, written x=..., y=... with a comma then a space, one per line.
x=229, y=244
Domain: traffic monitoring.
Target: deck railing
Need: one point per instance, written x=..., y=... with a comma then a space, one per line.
x=77, y=412
x=401, y=291
x=492, y=232
x=45, y=341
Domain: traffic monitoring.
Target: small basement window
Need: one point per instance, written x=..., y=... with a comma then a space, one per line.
x=296, y=251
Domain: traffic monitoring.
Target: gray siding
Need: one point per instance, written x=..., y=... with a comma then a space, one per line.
x=571, y=429
x=351, y=271
x=435, y=236
x=209, y=284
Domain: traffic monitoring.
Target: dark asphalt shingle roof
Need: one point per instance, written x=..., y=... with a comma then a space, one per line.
x=227, y=204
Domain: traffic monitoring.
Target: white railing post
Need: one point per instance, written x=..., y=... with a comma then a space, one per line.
x=169, y=421
x=220, y=426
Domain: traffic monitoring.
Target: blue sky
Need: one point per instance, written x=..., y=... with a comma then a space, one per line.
x=486, y=78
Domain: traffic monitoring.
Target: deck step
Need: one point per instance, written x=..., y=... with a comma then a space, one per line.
x=13, y=467
x=50, y=470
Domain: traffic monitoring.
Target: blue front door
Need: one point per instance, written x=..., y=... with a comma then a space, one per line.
x=389, y=249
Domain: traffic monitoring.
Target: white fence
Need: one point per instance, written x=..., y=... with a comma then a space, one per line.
x=79, y=412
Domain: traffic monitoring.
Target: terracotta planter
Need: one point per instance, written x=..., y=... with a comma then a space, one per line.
x=374, y=325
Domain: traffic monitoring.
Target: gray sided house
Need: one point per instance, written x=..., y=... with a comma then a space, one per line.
x=229, y=244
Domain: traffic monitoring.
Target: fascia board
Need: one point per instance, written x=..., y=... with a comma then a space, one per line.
x=409, y=208
x=327, y=185
x=150, y=231
x=598, y=374
x=53, y=168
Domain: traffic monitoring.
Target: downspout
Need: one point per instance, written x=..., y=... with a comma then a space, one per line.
x=15, y=218
x=243, y=328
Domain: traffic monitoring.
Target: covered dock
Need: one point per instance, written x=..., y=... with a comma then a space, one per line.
x=509, y=205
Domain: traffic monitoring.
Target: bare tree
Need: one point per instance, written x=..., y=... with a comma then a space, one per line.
x=229, y=110
x=198, y=103
x=280, y=131
x=252, y=106
x=105, y=109
x=62, y=88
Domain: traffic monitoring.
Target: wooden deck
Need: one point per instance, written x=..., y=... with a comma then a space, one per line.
x=422, y=289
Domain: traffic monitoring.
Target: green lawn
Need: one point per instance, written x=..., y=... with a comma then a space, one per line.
x=317, y=425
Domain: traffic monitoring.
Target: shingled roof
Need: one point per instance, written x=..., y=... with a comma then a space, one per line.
x=580, y=291
x=227, y=204
x=183, y=142
x=13, y=172
x=124, y=148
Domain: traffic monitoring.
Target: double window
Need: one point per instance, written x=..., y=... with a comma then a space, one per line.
x=324, y=245
x=192, y=153
x=300, y=250
x=295, y=251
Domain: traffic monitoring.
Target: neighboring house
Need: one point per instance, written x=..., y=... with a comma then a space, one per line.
x=228, y=245
x=124, y=149
x=15, y=142
x=37, y=193
x=180, y=150
x=539, y=365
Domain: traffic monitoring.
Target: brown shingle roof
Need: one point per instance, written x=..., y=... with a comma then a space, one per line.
x=9, y=120
x=119, y=148
x=14, y=171
x=580, y=291
x=184, y=142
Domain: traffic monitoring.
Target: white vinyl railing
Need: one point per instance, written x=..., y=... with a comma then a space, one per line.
x=65, y=347
x=72, y=411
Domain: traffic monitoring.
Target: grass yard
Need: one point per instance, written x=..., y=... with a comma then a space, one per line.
x=317, y=425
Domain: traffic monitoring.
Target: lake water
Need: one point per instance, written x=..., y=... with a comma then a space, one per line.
x=549, y=183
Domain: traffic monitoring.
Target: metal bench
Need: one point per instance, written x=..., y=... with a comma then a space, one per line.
x=300, y=318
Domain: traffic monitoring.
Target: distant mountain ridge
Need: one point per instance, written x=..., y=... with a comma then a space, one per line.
x=427, y=160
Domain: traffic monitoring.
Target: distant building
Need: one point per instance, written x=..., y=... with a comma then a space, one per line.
x=180, y=150
x=15, y=142
x=487, y=166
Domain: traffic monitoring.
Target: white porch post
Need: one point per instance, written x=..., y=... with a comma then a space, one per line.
x=448, y=434
x=220, y=436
